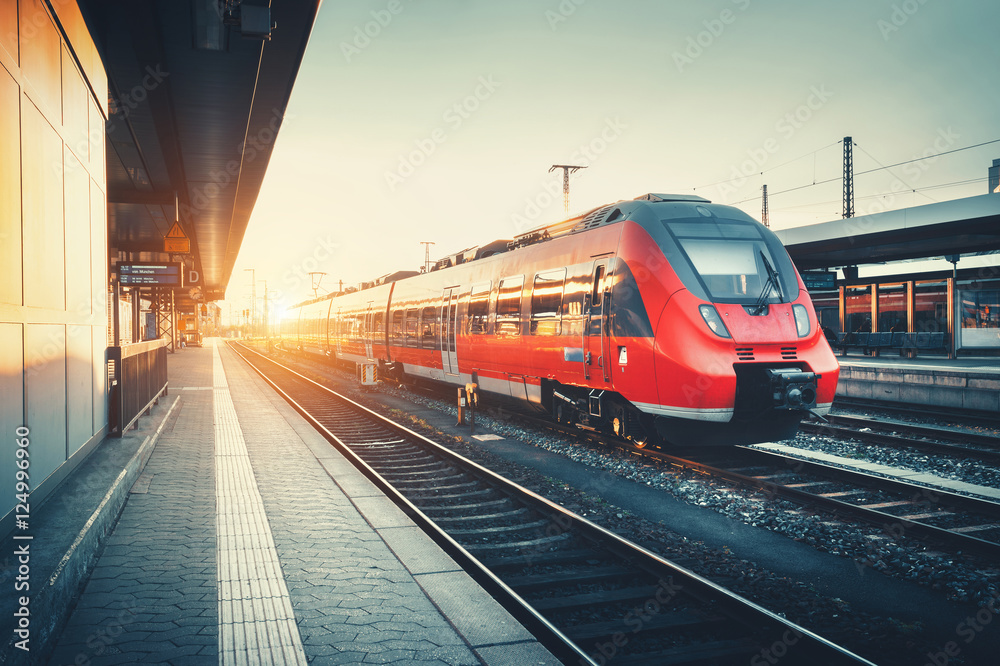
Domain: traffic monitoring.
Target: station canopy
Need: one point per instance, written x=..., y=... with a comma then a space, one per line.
x=197, y=93
x=960, y=227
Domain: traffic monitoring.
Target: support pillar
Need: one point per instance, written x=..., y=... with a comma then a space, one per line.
x=951, y=318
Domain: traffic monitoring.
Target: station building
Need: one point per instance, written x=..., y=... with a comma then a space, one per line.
x=857, y=272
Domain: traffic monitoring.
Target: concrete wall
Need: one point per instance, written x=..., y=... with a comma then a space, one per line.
x=936, y=388
x=53, y=241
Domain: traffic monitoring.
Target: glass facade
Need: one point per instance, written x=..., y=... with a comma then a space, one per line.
x=857, y=309
x=931, y=307
x=891, y=308
x=979, y=314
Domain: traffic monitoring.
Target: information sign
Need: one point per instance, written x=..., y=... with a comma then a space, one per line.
x=820, y=281
x=166, y=274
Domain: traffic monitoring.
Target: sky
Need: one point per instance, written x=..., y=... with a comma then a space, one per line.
x=438, y=120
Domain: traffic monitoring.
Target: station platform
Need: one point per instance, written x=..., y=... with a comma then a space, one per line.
x=235, y=534
x=966, y=382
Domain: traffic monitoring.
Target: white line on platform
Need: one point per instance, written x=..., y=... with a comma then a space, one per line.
x=256, y=621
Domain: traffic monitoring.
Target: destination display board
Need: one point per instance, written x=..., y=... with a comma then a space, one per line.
x=820, y=281
x=166, y=274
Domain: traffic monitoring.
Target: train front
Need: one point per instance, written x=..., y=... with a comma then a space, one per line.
x=739, y=356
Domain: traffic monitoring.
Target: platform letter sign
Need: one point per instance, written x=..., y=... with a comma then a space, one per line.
x=176, y=240
x=167, y=274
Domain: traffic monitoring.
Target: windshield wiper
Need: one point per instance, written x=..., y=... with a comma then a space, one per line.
x=773, y=282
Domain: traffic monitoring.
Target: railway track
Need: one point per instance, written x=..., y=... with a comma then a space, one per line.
x=588, y=595
x=967, y=416
x=930, y=439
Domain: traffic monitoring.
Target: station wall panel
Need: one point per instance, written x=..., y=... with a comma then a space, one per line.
x=11, y=402
x=99, y=340
x=79, y=387
x=10, y=189
x=96, y=138
x=78, y=236
x=41, y=62
x=98, y=254
x=8, y=35
x=45, y=397
x=53, y=241
x=42, y=211
x=75, y=108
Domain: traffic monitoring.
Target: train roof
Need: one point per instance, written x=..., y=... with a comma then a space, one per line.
x=592, y=219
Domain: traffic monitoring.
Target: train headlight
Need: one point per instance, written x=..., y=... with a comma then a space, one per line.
x=714, y=321
x=802, y=326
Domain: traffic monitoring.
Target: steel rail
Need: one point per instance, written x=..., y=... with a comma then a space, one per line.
x=983, y=417
x=849, y=426
x=808, y=644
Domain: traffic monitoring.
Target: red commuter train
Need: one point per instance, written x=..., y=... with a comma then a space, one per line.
x=663, y=319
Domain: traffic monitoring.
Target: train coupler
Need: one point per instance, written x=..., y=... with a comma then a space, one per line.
x=792, y=388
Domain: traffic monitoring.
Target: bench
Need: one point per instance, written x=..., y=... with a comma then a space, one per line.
x=898, y=341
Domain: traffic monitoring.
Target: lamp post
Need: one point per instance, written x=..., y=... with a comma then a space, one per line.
x=253, y=300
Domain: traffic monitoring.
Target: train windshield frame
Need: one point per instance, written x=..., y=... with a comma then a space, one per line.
x=726, y=259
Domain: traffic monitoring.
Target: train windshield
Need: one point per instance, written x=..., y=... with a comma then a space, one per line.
x=733, y=259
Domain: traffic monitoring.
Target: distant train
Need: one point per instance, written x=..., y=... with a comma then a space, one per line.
x=663, y=319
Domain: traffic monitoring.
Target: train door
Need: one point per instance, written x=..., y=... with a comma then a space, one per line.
x=369, y=332
x=596, y=344
x=449, y=331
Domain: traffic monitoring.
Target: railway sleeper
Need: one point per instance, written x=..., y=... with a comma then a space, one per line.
x=518, y=545
x=488, y=516
x=587, y=575
x=627, y=595
x=424, y=483
x=424, y=469
x=514, y=562
x=664, y=620
x=453, y=496
x=395, y=455
x=468, y=507
x=712, y=653
x=454, y=486
x=523, y=527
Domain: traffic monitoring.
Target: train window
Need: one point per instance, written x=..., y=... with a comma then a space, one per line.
x=509, y=306
x=379, y=323
x=428, y=328
x=411, y=328
x=732, y=260
x=598, y=290
x=396, y=329
x=546, y=302
x=479, y=307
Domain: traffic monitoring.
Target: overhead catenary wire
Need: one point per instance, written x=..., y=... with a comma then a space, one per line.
x=861, y=173
x=763, y=171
